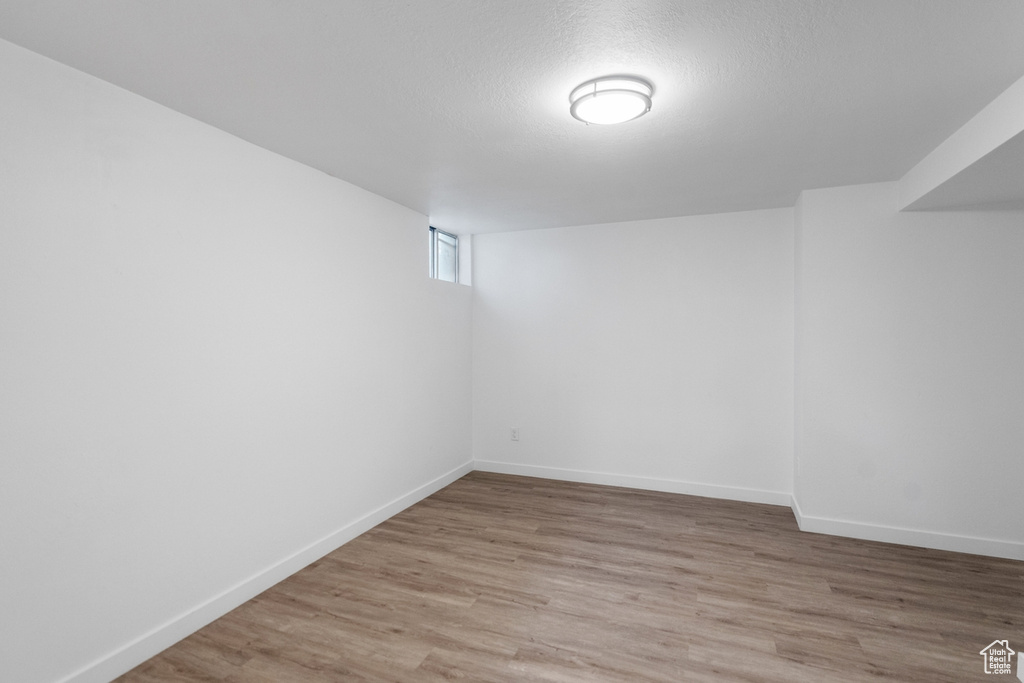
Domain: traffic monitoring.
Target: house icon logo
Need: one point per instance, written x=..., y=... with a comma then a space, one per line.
x=998, y=657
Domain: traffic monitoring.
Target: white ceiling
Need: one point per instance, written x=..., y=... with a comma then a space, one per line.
x=458, y=108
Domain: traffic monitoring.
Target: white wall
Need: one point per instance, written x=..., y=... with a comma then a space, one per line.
x=653, y=353
x=911, y=373
x=217, y=364
x=214, y=364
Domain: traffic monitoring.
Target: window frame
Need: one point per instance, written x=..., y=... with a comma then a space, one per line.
x=434, y=232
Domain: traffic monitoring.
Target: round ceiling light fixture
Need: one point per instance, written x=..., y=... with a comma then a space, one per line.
x=611, y=99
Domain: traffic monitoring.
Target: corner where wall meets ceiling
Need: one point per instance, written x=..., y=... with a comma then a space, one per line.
x=459, y=110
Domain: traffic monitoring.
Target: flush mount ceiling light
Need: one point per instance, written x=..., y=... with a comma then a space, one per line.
x=611, y=99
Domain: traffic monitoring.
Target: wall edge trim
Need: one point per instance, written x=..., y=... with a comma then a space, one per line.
x=934, y=540
x=160, y=638
x=810, y=524
x=633, y=482
x=794, y=505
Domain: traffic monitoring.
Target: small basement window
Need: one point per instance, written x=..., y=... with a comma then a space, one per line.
x=444, y=255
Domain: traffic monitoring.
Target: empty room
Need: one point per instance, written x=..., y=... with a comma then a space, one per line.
x=546, y=340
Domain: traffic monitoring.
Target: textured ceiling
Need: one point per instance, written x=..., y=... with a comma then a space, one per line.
x=458, y=108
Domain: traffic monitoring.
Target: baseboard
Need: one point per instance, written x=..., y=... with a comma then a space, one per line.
x=820, y=525
x=922, y=539
x=795, y=507
x=159, y=639
x=134, y=653
x=628, y=481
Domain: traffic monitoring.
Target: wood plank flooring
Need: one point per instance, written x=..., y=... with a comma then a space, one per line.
x=502, y=578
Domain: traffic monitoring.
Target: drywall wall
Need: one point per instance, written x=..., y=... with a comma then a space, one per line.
x=909, y=394
x=215, y=364
x=656, y=354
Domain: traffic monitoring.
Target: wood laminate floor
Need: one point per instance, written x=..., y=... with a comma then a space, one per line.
x=502, y=578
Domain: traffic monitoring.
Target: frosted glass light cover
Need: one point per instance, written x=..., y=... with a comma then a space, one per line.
x=612, y=99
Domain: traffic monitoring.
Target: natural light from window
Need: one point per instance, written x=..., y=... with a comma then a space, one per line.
x=444, y=255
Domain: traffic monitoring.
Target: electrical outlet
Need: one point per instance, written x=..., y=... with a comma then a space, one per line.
x=515, y=433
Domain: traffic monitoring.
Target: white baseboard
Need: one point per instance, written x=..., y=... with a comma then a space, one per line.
x=159, y=639
x=134, y=653
x=821, y=525
x=628, y=481
x=922, y=539
x=795, y=507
